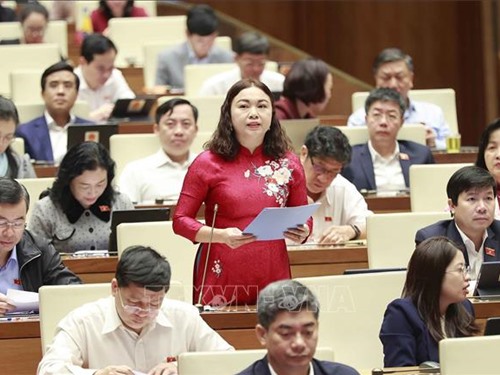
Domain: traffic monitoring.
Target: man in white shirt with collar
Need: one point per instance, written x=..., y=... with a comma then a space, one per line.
x=252, y=50
x=101, y=83
x=199, y=48
x=134, y=329
x=160, y=176
x=471, y=194
x=393, y=68
x=46, y=137
x=383, y=163
x=342, y=213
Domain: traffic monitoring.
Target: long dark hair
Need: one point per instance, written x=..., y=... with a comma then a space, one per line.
x=8, y=112
x=127, y=11
x=224, y=141
x=424, y=279
x=85, y=156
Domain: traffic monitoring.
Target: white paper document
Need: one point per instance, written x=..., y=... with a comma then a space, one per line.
x=273, y=221
x=23, y=300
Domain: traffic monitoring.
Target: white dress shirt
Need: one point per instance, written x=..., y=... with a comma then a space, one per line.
x=155, y=176
x=341, y=204
x=93, y=337
x=58, y=136
x=115, y=88
x=387, y=170
x=220, y=84
x=476, y=258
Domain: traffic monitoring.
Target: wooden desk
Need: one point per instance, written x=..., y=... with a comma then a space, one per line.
x=45, y=170
x=20, y=347
x=381, y=204
x=466, y=155
x=135, y=78
x=92, y=269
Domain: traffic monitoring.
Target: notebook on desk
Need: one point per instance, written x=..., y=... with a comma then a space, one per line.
x=488, y=280
x=100, y=133
x=129, y=110
x=134, y=216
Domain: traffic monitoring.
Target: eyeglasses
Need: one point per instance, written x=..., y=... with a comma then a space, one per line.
x=464, y=270
x=15, y=225
x=391, y=117
x=318, y=169
x=7, y=138
x=150, y=311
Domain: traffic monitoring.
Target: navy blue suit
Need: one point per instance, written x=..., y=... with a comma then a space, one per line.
x=447, y=228
x=37, y=139
x=360, y=169
x=405, y=336
x=261, y=367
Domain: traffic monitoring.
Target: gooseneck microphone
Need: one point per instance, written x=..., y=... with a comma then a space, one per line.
x=199, y=305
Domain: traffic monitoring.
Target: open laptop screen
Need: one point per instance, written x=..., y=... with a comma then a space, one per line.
x=134, y=216
x=136, y=109
x=100, y=133
x=488, y=280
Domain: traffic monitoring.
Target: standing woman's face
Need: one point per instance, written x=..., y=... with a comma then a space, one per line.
x=7, y=131
x=492, y=155
x=89, y=186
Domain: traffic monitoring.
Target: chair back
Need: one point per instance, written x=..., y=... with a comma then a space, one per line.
x=230, y=362
x=428, y=185
x=352, y=310
x=18, y=145
x=408, y=132
x=56, y=301
x=25, y=86
x=35, y=186
x=29, y=111
x=455, y=355
x=129, y=34
x=22, y=57
x=152, y=50
x=179, y=251
x=391, y=237
x=443, y=98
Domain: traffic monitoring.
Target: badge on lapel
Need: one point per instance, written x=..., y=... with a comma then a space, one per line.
x=489, y=251
x=403, y=156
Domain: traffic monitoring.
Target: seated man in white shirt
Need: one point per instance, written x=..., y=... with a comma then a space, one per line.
x=383, y=163
x=101, y=83
x=135, y=329
x=160, y=176
x=343, y=211
x=393, y=68
x=46, y=137
x=251, y=50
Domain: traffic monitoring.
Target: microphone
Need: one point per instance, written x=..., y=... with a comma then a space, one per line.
x=199, y=305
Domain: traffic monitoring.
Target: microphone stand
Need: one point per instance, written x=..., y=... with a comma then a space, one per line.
x=199, y=305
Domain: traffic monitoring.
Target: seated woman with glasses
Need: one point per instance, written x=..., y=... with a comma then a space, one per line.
x=11, y=163
x=434, y=305
x=34, y=19
x=77, y=211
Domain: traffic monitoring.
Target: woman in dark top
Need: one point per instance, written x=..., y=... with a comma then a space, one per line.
x=306, y=91
x=434, y=305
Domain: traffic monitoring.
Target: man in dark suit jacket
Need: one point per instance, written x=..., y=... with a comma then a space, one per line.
x=471, y=196
x=45, y=137
x=383, y=163
x=288, y=312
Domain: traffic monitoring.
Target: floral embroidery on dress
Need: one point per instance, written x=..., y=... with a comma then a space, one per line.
x=217, y=268
x=277, y=175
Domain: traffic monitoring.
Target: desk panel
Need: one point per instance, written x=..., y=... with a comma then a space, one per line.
x=379, y=205
x=20, y=356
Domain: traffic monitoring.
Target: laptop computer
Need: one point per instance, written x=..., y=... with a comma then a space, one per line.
x=488, y=280
x=357, y=271
x=134, y=216
x=100, y=133
x=129, y=110
x=492, y=326
x=297, y=130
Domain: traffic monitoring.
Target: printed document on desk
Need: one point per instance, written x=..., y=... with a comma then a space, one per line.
x=273, y=221
x=23, y=300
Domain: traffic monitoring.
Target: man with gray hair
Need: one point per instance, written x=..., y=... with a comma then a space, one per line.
x=393, y=69
x=26, y=261
x=252, y=50
x=383, y=163
x=287, y=313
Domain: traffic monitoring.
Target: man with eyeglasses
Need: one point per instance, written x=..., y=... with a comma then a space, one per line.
x=342, y=213
x=393, y=69
x=471, y=197
x=26, y=261
x=135, y=329
x=252, y=50
x=383, y=163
